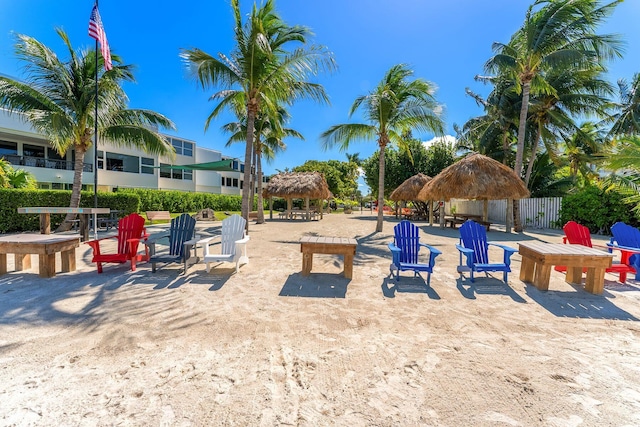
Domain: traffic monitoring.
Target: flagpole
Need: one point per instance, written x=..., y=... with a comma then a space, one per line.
x=95, y=137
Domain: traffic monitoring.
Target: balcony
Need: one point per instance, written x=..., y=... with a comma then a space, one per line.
x=38, y=162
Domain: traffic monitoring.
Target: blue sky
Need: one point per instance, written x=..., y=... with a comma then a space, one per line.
x=445, y=42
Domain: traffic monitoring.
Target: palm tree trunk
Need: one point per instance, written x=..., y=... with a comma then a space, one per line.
x=260, y=219
x=522, y=127
x=534, y=149
x=252, y=108
x=78, y=165
x=381, y=189
x=505, y=148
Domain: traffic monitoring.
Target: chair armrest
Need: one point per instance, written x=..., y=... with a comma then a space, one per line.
x=620, y=248
x=564, y=239
x=395, y=253
x=508, y=251
x=468, y=253
x=95, y=244
x=242, y=241
x=153, y=239
x=433, y=253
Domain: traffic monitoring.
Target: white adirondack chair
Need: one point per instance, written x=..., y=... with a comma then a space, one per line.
x=233, y=243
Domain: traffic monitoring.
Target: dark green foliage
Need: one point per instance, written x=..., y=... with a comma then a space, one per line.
x=341, y=177
x=180, y=201
x=12, y=199
x=597, y=209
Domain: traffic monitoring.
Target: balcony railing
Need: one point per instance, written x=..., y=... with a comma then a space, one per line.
x=38, y=162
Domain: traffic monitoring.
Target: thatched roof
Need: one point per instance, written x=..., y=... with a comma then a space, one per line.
x=410, y=188
x=298, y=185
x=475, y=177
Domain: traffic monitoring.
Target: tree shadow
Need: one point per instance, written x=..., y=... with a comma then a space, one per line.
x=316, y=285
x=390, y=287
x=578, y=304
x=487, y=286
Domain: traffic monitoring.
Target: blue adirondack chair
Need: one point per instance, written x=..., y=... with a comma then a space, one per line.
x=474, y=246
x=405, y=250
x=626, y=239
x=180, y=239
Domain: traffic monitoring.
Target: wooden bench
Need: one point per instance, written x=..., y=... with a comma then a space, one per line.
x=453, y=222
x=158, y=215
x=310, y=245
x=45, y=245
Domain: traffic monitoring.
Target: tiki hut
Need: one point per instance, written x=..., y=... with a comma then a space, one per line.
x=476, y=177
x=408, y=191
x=297, y=185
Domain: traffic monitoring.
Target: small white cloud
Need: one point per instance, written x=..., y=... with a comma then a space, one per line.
x=449, y=139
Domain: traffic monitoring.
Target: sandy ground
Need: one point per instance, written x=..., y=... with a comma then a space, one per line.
x=268, y=347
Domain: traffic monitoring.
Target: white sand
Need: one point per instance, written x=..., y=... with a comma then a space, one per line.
x=268, y=347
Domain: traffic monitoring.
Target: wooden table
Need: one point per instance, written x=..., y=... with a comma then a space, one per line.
x=46, y=246
x=310, y=245
x=538, y=258
x=45, y=217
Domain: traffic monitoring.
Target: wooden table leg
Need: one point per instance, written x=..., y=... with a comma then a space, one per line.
x=45, y=223
x=84, y=227
x=307, y=263
x=68, y=260
x=348, y=266
x=3, y=263
x=22, y=261
x=574, y=275
x=526, y=269
x=595, y=280
x=47, y=265
x=541, y=276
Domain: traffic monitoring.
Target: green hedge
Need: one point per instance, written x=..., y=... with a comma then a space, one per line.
x=12, y=199
x=181, y=201
x=596, y=209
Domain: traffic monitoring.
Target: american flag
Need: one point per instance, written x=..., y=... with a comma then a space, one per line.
x=96, y=31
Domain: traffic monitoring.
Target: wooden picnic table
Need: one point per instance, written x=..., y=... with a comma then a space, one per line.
x=46, y=211
x=538, y=258
x=46, y=246
x=310, y=245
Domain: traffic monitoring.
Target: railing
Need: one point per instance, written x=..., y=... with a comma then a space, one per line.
x=39, y=162
x=534, y=213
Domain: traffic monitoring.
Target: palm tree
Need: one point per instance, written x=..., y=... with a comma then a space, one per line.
x=576, y=92
x=555, y=34
x=584, y=150
x=260, y=71
x=269, y=134
x=396, y=105
x=58, y=100
x=627, y=120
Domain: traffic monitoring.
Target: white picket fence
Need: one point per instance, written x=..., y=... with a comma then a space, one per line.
x=534, y=213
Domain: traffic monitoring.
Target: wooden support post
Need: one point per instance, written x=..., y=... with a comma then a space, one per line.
x=22, y=261
x=47, y=265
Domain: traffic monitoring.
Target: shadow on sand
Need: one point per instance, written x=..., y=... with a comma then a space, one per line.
x=408, y=284
x=487, y=286
x=580, y=303
x=316, y=285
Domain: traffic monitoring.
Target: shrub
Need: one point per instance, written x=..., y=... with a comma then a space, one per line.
x=596, y=209
x=12, y=199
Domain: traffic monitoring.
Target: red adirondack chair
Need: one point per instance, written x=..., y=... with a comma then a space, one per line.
x=130, y=232
x=577, y=234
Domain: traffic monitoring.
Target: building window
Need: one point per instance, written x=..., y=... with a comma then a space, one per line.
x=236, y=165
x=146, y=165
x=122, y=163
x=53, y=154
x=100, y=159
x=242, y=167
x=33, y=151
x=187, y=175
x=176, y=173
x=235, y=182
x=228, y=182
x=8, y=148
x=183, y=148
x=57, y=186
x=165, y=170
x=241, y=182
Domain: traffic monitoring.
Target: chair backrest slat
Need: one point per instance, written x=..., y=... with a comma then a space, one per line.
x=474, y=236
x=407, y=238
x=577, y=234
x=626, y=235
x=232, y=230
x=129, y=227
x=182, y=229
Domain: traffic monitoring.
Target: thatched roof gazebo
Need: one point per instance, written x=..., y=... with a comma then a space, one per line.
x=476, y=177
x=409, y=190
x=297, y=185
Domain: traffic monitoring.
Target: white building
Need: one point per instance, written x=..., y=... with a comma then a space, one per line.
x=118, y=167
